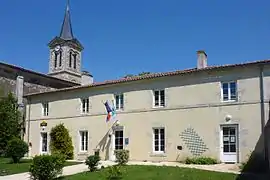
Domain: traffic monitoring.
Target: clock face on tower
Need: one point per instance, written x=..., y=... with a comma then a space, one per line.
x=57, y=48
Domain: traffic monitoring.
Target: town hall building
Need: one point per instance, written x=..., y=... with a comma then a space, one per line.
x=215, y=111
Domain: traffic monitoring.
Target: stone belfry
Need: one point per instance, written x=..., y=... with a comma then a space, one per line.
x=65, y=53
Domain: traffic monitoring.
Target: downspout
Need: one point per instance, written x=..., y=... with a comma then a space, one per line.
x=28, y=127
x=265, y=144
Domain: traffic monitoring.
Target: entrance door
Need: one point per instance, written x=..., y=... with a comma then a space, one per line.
x=43, y=142
x=119, y=139
x=229, y=143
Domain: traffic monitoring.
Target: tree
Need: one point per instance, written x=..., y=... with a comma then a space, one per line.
x=16, y=149
x=10, y=124
x=143, y=73
x=61, y=142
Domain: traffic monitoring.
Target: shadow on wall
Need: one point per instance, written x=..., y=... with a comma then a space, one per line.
x=104, y=145
x=257, y=166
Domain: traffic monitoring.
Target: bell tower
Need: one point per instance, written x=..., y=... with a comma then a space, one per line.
x=65, y=53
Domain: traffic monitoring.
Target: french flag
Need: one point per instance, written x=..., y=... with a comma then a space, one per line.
x=110, y=112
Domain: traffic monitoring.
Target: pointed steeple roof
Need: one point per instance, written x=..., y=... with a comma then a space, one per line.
x=66, y=31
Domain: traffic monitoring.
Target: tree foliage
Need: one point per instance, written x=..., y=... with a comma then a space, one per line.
x=61, y=142
x=16, y=149
x=10, y=124
x=140, y=74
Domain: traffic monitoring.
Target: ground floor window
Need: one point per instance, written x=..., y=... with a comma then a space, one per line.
x=44, y=142
x=119, y=138
x=159, y=140
x=83, y=141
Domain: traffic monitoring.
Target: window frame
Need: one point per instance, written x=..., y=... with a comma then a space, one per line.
x=41, y=143
x=83, y=139
x=120, y=106
x=159, y=97
x=86, y=109
x=229, y=91
x=45, y=109
x=159, y=151
x=120, y=137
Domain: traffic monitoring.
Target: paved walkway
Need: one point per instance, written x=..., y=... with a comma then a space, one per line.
x=70, y=170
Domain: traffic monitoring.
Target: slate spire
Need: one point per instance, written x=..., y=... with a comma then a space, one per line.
x=66, y=30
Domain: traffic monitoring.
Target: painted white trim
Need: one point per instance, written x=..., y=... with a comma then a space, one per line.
x=45, y=109
x=41, y=143
x=86, y=143
x=81, y=101
x=229, y=91
x=119, y=94
x=236, y=126
x=159, y=98
x=159, y=138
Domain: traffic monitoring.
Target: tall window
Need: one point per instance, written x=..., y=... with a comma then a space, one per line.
x=45, y=109
x=60, y=59
x=229, y=91
x=75, y=61
x=159, y=98
x=70, y=59
x=44, y=142
x=119, y=139
x=119, y=101
x=55, y=59
x=85, y=105
x=83, y=141
x=159, y=140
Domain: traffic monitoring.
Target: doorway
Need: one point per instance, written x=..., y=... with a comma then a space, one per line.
x=229, y=143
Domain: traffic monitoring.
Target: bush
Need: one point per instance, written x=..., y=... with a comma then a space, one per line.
x=16, y=149
x=46, y=167
x=61, y=142
x=114, y=172
x=92, y=162
x=201, y=160
x=122, y=156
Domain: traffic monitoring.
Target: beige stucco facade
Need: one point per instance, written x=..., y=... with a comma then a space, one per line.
x=193, y=101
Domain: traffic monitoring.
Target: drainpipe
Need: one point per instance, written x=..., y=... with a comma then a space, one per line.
x=264, y=132
x=28, y=127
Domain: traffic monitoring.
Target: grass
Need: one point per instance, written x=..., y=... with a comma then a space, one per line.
x=156, y=173
x=7, y=168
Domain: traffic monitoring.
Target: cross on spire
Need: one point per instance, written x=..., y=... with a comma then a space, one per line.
x=66, y=30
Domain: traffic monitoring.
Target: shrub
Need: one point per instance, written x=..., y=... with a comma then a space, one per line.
x=92, y=162
x=16, y=149
x=114, y=173
x=122, y=156
x=61, y=141
x=201, y=160
x=46, y=167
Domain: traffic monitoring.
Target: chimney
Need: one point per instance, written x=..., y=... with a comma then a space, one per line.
x=87, y=78
x=201, y=59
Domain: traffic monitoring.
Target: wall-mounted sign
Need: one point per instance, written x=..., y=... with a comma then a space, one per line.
x=126, y=141
x=43, y=124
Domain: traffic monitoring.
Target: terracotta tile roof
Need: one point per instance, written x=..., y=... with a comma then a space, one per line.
x=156, y=75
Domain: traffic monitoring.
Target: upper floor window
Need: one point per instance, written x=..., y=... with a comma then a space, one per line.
x=45, y=109
x=60, y=59
x=83, y=141
x=85, y=105
x=119, y=102
x=229, y=91
x=159, y=140
x=159, y=98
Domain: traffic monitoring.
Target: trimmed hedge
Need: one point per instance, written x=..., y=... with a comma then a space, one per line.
x=201, y=160
x=46, y=167
x=92, y=162
x=61, y=142
x=122, y=156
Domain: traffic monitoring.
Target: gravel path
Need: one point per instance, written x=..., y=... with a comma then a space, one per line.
x=70, y=170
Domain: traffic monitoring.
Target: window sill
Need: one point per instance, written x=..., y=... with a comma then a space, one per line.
x=157, y=154
x=229, y=101
x=83, y=153
x=158, y=107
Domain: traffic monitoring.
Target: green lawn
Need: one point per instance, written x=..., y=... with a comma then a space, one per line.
x=156, y=173
x=7, y=168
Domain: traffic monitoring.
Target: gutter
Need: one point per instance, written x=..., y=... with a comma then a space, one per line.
x=263, y=125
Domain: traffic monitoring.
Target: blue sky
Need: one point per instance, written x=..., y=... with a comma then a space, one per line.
x=127, y=36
